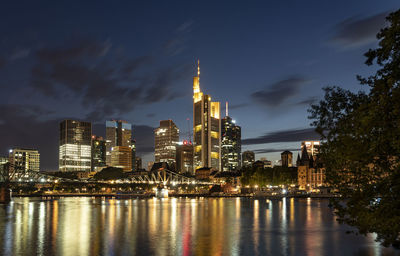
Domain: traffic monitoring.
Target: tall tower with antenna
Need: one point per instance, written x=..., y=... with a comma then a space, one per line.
x=206, y=128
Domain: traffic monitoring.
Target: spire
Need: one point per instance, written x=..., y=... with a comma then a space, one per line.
x=198, y=67
x=226, y=108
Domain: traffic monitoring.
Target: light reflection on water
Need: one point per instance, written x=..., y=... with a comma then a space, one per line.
x=177, y=226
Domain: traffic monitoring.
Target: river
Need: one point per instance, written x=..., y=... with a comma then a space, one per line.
x=177, y=226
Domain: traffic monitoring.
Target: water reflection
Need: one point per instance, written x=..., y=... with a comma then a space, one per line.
x=177, y=226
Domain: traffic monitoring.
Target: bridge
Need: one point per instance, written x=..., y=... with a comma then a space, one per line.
x=17, y=174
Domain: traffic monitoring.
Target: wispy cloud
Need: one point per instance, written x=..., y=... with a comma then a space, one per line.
x=293, y=135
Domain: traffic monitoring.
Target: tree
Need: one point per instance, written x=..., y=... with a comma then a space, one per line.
x=110, y=173
x=361, y=149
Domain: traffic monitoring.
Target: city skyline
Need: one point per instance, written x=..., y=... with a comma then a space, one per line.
x=269, y=84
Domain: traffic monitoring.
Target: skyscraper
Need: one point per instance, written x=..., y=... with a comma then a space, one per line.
x=75, y=146
x=166, y=137
x=184, y=157
x=206, y=128
x=98, y=152
x=248, y=158
x=133, y=154
x=24, y=159
x=231, y=146
x=287, y=158
x=118, y=144
x=138, y=163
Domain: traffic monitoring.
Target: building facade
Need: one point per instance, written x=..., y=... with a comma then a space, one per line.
x=118, y=144
x=75, y=150
x=248, y=158
x=184, y=158
x=133, y=154
x=98, y=153
x=138, y=163
x=166, y=138
x=206, y=128
x=287, y=158
x=310, y=171
x=231, y=146
x=311, y=146
x=24, y=159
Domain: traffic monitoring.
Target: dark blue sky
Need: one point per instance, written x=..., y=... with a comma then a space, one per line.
x=97, y=60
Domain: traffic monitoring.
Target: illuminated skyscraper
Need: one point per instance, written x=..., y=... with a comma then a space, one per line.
x=118, y=144
x=231, y=146
x=24, y=159
x=75, y=146
x=311, y=146
x=248, y=158
x=133, y=154
x=184, y=157
x=287, y=158
x=98, y=152
x=166, y=137
x=206, y=128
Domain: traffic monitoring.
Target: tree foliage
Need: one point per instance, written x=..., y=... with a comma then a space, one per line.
x=110, y=173
x=361, y=149
x=278, y=175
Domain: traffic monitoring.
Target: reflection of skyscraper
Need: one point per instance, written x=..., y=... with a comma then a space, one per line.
x=98, y=152
x=248, y=158
x=118, y=144
x=184, y=157
x=75, y=146
x=230, y=144
x=206, y=128
x=166, y=138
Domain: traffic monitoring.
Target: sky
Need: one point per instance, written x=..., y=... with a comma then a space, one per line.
x=134, y=60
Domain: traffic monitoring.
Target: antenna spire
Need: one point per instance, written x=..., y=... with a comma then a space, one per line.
x=226, y=108
x=198, y=67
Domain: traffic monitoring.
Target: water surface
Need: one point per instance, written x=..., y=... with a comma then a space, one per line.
x=177, y=226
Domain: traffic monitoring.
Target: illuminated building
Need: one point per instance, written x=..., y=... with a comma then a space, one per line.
x=231, y=146
x=206, y=128
x=118, y=144
x=287, y=158
x=24, y=159
x=75, y=152
x=248, y=158
x=138, y=163
x=166, y=137
x=184, y=157
x=3, y=160
x=133, y=154
x=150, y=165
x=310, y=171
x=121, y=157
x=266, y=163
x=311, y=146
x=98, y=153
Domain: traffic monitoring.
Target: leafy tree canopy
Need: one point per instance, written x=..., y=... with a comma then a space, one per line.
x=110, y=173
x=361, y=149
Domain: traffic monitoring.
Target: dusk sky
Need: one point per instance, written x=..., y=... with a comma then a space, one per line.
x=101, y=60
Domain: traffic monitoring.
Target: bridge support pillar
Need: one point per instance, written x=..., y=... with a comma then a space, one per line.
x=5, y=194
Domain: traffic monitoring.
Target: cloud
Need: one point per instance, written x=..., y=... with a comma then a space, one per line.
x=275, y=94
x=237, y=106
x=274, y=150
x=151, y=115
x=19, y=54
x=177, y=44
x=2, y=62
x=104, y=85
x=24, y=126
x=358, y=31
x=293, y=135
x=307, y=102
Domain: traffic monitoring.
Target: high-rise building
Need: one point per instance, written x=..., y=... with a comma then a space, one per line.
x=231, y=146
x=287, y=158
x=24, y=159
x=118, y=144
x=3, y=160
x=98, y=153
x=266, y=163
x=166, y=137
x=248, y=158
x=138, y=163
x=150, y=165
x=133, y=154
x=184, y=157
x=206, y=128
x=311, y=146
x=75, y=152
